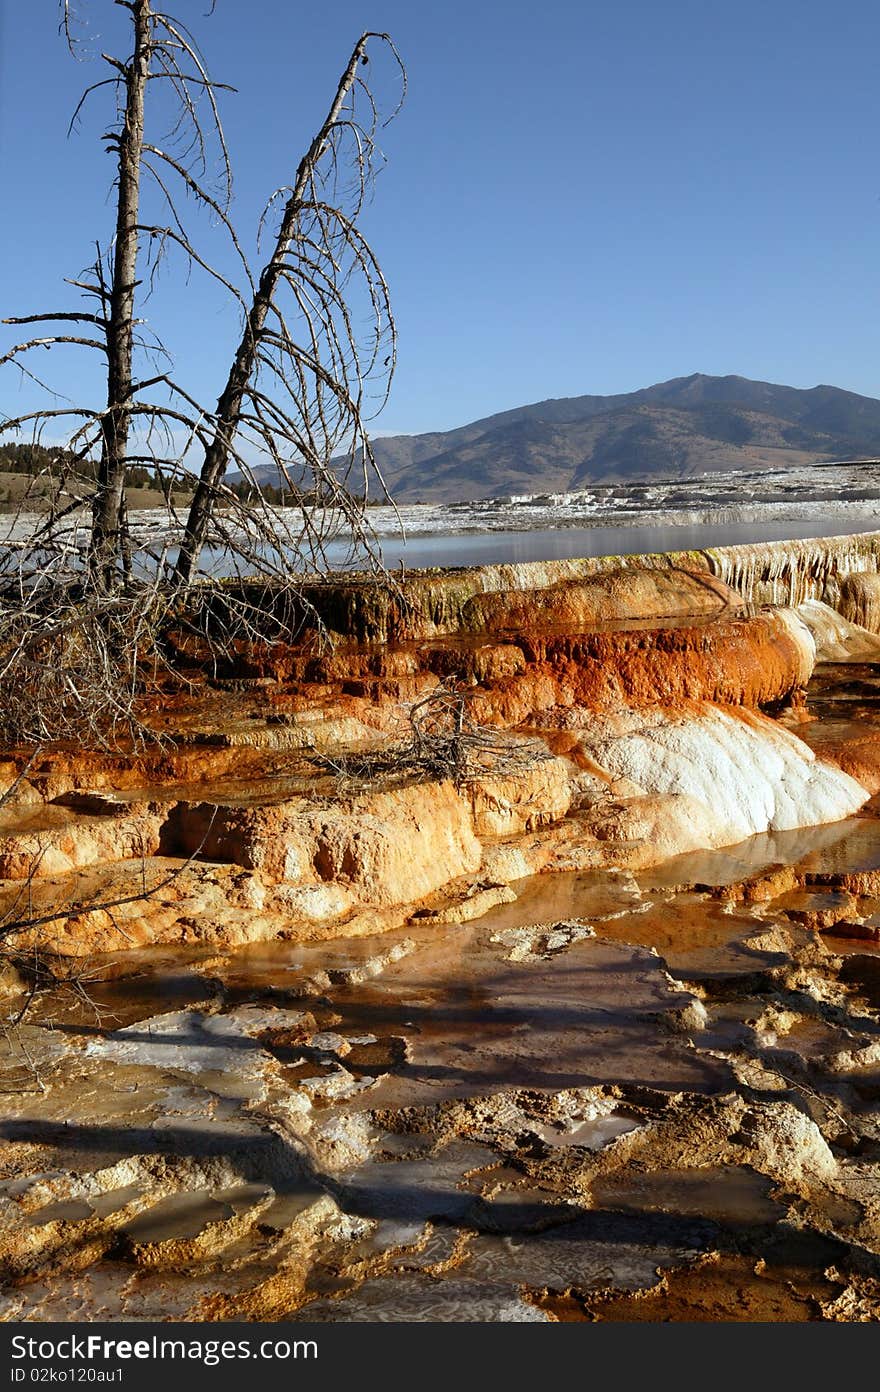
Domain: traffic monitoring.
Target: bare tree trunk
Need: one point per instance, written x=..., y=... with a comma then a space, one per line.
x=229, y=405
x=109, y=502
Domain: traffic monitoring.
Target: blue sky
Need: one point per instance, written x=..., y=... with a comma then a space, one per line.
x=579, y=197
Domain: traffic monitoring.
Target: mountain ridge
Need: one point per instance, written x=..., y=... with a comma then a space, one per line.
x=673, y=429
x=668, y=431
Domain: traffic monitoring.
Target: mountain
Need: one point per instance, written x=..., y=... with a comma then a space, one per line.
x=690, y=425
x=673, y=430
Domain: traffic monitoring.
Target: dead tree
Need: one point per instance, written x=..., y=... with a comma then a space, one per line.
x=304, y=378
x=301, y=262
x=107, y=508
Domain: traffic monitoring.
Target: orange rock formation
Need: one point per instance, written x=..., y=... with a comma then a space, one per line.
x=628, y=710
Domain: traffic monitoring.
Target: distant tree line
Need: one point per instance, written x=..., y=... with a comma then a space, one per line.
x=280, y=496
x=33, y=459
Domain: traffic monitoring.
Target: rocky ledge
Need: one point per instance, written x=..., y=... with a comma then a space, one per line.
x=611, y=720
x=521, y=969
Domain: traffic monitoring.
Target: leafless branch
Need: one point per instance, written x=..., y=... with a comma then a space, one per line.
x=89, y=590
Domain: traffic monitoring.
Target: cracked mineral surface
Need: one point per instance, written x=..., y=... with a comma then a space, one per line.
x=594, y=1038
x=663, y=1106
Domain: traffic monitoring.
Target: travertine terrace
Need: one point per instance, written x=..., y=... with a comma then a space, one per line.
x=339, y=1025
x=631, y=710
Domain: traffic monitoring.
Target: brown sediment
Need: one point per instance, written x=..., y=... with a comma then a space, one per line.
x=603, y=1115
x=724, y=1289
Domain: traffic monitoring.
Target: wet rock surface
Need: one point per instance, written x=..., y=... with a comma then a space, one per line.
x=643, y=1096
x=590, y=1031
